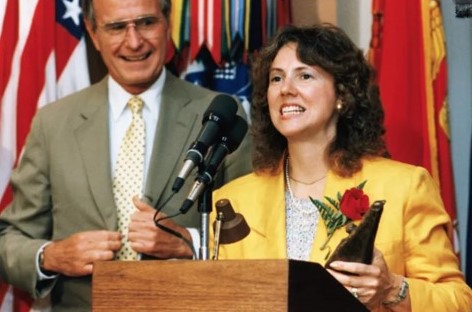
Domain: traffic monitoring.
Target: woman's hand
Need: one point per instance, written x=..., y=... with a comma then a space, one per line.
x=371, y=284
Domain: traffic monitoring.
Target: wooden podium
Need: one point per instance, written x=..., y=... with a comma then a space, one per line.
x=224, y=285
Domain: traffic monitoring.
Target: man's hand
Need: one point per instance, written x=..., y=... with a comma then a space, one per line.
x=74, y=256
x=148, y=239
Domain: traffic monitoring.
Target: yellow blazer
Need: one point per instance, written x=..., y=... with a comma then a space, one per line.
x=412, y=235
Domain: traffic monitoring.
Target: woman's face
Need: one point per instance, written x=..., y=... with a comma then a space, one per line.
x=301, y=98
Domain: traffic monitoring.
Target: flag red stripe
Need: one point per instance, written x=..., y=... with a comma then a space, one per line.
x=6, y=198
x=264, y=20
x=3, y=291
x=194, y=35
x=37, y=50
x=66, y=44
x=8, y=41
x=284, y=12
x=21, y=301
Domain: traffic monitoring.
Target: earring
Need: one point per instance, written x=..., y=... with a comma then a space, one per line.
x=339, y=105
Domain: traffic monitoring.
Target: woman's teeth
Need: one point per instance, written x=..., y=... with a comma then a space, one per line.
x=292, y=110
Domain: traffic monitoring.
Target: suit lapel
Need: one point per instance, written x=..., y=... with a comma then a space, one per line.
x=173, y=129
x=93, y=141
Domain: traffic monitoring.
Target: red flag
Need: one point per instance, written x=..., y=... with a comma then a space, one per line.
x=408, y=51
x=284, y=12
x=43, y=58
x=206, y=19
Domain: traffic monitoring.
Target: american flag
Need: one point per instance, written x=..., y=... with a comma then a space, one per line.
x=43, y=57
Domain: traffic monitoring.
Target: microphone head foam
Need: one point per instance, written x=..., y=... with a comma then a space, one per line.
x=236, y=134
x=221, y=110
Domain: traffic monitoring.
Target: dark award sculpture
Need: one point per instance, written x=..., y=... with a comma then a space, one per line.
x=359, y=245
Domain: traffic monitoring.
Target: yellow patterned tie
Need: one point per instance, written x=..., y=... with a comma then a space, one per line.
x=129, y=172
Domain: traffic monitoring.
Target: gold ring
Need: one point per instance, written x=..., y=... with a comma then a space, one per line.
x=354, y=292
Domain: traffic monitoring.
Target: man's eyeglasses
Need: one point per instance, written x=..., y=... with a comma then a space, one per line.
x=146, y=26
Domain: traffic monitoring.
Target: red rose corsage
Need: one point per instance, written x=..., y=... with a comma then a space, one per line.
x=351, y=206
x=354, y=203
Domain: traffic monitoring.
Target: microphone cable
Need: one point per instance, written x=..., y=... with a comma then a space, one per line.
x=169, y=230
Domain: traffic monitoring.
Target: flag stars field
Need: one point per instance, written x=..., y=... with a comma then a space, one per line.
x=73, y=11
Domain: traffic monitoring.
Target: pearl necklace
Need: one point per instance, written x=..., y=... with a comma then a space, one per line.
x=287, y=180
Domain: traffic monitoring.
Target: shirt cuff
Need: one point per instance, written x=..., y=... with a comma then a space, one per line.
x=41, y=275
x=195, y=234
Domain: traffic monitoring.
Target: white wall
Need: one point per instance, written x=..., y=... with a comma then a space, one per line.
x=355, y=17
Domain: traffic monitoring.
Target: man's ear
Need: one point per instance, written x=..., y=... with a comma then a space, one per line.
x=92, y=33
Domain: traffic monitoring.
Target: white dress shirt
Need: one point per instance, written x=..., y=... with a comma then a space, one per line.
x=120, y=116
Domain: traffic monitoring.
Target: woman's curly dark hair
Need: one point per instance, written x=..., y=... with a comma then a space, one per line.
x=359, y=130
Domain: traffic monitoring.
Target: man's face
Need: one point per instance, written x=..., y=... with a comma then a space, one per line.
x=131, y=36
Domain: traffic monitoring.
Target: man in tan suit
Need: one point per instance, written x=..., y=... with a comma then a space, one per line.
x=63, y=217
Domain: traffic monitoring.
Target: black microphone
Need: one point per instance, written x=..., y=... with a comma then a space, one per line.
x=218, y=117
x=228, y=144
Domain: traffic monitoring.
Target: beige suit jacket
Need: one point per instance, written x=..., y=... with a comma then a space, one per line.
x=63, y=184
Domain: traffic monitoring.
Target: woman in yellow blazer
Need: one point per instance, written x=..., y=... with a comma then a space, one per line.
x=317, y=125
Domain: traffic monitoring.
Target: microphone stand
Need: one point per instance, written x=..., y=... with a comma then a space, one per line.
x=204, y=208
